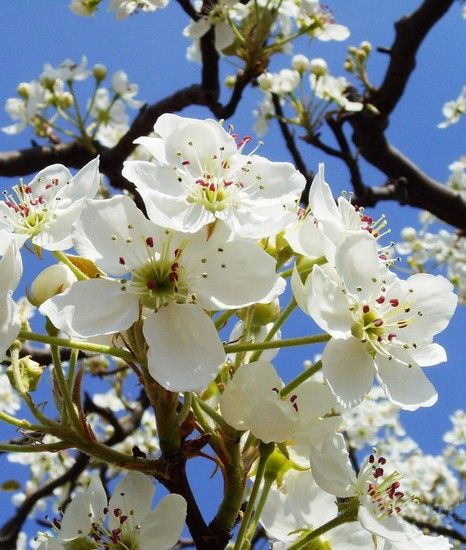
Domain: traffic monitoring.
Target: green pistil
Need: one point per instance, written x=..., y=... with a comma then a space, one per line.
x=369, y=326
x=34, y=221
x=156, y=283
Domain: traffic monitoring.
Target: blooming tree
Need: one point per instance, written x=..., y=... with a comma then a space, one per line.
x=177, y=251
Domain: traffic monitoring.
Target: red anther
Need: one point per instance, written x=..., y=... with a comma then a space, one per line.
x=276, y=390
x=366, y=219
x=371, y=459
x=391, y=336
x=41, y=199
x=380, y=299
x=106, y=510
x=122, y=260
x=174, y=266
x=34, y=202
x=395, y=485
x=399, y=494
x=55, y=181
x=397, y=509
x=365, y=308
x=378, y=472
x=173, y=277
x=368, y=229
x=150, y=242
x=200, y=181
x=186, y=162
x=394, y=302
x=27, y=189
x=117, y=512
x=151, y=285
x=228, y=183
x=177, y=252
x=48, y=186
x=123, y=519
x=293, y=398
x=382, y=460
x=234, y=136
x=295, y=406
x=382, y=257
x=245, y=140
x=375, y=234
x=378, y=322
x=212, y=187
x=379, y=338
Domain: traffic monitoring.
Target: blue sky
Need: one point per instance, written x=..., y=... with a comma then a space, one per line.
x=150, y=48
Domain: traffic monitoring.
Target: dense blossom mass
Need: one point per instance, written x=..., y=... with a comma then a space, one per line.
x=162, y=308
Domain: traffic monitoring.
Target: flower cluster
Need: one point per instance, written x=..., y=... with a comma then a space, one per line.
x=308, y=107
x=49, y=105
x=157, y=291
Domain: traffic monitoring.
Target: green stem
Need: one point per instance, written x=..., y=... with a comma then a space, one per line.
x=76, y=344
x=276, y=327
x=68, y=402
x=339, y=520
x=71, y=369
x=14, y=355
x=304, y=270
x=222, y=319
x=38, y=448
x=308, y=373
x=185, y=408
x=265, y=451
x=20, y=423
x=217, y=418
x=286, y=343
x=260, y=506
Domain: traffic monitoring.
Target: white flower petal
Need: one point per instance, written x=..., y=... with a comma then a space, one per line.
x=390, y=528
x=92, y=308
x=185, y=351
x=348, y=370
x=406, y=386
x=133, y=496
x=162, y=528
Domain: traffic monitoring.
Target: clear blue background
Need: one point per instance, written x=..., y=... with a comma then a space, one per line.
x=150, y=48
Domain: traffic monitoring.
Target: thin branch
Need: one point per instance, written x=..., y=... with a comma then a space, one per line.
x=289, y=137
x=411, y=30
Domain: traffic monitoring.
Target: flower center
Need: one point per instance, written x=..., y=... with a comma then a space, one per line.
x=30, y=214
x=383, y=490
x=158, y=283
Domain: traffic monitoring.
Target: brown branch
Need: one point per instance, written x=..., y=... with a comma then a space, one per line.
x=410, y=32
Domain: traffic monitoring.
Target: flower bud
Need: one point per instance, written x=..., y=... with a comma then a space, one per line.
x=265, y=81
x=348, y=65
x=366, y=46
x=65, y=100
x=29, y=371
x=23, y=89
x=230, y=81
x=51, y=281
x=99, y=72
x=300, y=63
x=408, y=234
x=263, y=314
x=319, y=66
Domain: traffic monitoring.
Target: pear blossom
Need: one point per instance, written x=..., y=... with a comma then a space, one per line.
x=45, y=209
x=68, y=70
x=324, y=224
x=84, y=7
x=295, y=503
x=333, y=88
x=326, y=29
x=283, y=82
x=24, y=109
x=457, y=436
x=126, y=521
x=124, y=8
x=52, y=280
x=201, y=175
x=173, y=277
x=453, y=110
x=125, y=89
x=252, y=401
x=381, y=325
x=111, y=118
x=217, y=17
x=11, y=270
